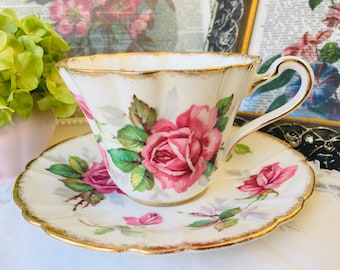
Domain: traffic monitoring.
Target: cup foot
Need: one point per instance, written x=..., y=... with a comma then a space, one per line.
x=168, y=204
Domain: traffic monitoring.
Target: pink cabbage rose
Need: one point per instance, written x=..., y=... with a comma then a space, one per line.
x=98, y=177
x=269, y=178
x=176, y=154
x=83, y=106
x=147, y=219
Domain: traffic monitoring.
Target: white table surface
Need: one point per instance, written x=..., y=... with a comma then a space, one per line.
x=310, y=240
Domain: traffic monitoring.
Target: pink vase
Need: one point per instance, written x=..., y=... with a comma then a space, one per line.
x=22, y=142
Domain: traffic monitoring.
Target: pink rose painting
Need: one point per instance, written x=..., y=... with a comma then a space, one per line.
x=89, y=182
x=268, y=179
x=174, y=153
x=83, y=106
x=150, y=218
x=98, y=177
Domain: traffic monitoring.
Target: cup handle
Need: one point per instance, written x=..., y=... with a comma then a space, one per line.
x=276, y=69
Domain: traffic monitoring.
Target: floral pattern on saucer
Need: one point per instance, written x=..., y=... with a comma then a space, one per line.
x=67, y=193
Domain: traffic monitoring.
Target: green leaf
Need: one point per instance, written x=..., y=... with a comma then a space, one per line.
x=127, y=231
x=210, y=168
x=242, y=149
x=222, y=123
x=92, y=196
x=125, y=160
x=314, y=3
x=141, y=179
x=77, y=164
x=265, y=66
x=103, y=230
x=202, y=223
x=330, y=53
x=278, y=102
x=64, y=170
x=141, y=115
x=226, y=224
x=77, y=185
x=223, y=105
x=282, y=80
x=132, y=138
x=229, y=213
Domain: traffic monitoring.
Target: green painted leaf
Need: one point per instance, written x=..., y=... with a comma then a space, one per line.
x=132, y=138
x=226, y=224
x=76, y=185
x=265, y=66
x=242, y=149
x=314, y=3
x=64, y=170
x=281, y=81
x=142, y=115
x=202, y=223
x=330, y=53
x=278, y=102
x=222, y=123
x=132, y=233
x=103, y=230
x=77, y=164
x=229, y=213
x=141, y=179
x=210, y=168
x=125, y=160
x=223, y=105
x=92, y=196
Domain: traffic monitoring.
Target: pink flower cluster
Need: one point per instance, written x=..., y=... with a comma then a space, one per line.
x=78, y=16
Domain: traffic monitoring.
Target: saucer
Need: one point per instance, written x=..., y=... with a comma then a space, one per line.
x=262, y=184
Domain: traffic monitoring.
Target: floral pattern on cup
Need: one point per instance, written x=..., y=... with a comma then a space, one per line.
x=176, y=153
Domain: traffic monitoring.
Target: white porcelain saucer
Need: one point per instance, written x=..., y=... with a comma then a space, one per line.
x=263, y=184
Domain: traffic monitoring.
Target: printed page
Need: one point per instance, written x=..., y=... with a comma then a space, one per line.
x=307, y=32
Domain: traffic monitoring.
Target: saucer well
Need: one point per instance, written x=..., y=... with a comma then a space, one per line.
x=262, y=184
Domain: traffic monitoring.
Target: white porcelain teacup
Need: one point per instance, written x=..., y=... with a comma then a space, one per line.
x=163, y=120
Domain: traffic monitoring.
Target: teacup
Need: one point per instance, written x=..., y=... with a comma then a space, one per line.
x=163, y=120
